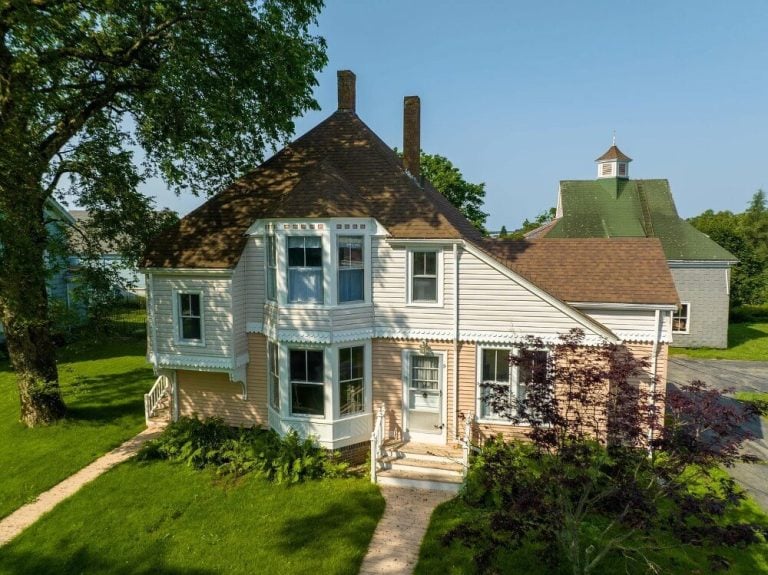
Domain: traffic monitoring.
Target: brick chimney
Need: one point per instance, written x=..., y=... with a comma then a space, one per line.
x=346, y=82
x=412, y=136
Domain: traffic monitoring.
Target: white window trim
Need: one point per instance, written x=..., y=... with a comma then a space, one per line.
x=409, y=277
x=687, y=319
x=334, y=299
x=514, y=375
x=282, y=256
x=330, y=371
x=275, y=239
x=367, y=379
x=178, y=340
x=270, y=343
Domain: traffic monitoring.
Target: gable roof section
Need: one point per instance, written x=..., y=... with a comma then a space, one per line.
x=340, y=168
x=632, y=208
x=594, y=270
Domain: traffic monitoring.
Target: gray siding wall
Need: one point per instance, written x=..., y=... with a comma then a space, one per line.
x=255, y=284
x=706, y=290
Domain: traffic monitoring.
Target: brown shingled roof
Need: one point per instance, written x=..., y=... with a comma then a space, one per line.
x=614, y=153
x=340, y=168
x=605, y=270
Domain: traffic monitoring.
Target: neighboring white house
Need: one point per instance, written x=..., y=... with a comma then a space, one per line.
x=333, y=283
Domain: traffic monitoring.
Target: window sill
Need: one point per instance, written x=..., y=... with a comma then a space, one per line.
x=189, y=343
x=504, y=422
x=681, y=332
x=425, y=304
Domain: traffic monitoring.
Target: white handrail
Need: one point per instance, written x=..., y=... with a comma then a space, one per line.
x=377, y=440
x=467, y=440
x=152, y=399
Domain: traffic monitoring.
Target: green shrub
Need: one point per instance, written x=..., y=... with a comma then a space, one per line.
x=749, y=313
x=231, y=451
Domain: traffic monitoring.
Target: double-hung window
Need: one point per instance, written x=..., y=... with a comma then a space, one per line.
x=351, y=380
x=351, y=265
x=305, y=269
x=510, y=381
x=681, y=319
x=274, y=375
x=190, y=317
x=424, y=277
x=307, y=382
x=271, y=268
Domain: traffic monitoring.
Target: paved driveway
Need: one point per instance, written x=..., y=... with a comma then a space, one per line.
x=742, y=376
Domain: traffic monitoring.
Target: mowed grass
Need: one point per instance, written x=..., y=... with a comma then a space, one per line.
x=671, y=556
x=746, y=341
x=103, y=385
x=165, y=518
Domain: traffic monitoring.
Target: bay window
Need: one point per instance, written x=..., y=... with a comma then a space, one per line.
x=351, y=266
x=273, y=362
x=271, y=268
x=307, y=382
x=305, y=269
x=351, y=380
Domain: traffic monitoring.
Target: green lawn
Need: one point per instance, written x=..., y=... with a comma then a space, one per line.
x=747, y=341
x=165, y=518
x=103, y=385
x=434, y=557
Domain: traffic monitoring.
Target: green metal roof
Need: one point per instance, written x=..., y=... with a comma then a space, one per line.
x=615, y=207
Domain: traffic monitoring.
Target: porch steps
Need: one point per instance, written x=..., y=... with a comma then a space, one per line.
x=421, y=466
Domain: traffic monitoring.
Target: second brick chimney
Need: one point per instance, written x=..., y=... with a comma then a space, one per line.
x=346, y=83
x=412, y=135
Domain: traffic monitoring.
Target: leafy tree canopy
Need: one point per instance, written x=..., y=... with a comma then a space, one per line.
x=745, y=235
x=543, y=218
x=203, y=87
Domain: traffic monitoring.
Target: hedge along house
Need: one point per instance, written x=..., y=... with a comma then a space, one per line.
x=333, y=291
x=614, y=206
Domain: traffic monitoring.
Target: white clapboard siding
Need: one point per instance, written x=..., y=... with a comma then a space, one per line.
x=303, y=319
x=629, y=320
x=489, y=301
x=352, y=318
x=389, y=291
x=255, y=294
x=217, y=314
x=239, y=279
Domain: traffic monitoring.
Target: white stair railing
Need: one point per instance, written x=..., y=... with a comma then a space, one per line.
x=152, y=399
x=377, y=440
x=467, y=440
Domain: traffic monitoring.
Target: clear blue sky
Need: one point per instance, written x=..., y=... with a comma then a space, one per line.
x=521, y=95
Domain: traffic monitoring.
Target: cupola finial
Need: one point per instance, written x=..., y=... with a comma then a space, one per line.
x=614, y=138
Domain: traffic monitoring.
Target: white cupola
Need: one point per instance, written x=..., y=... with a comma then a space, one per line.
x=613, y=164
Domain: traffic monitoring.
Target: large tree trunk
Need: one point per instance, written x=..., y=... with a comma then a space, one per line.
x=24, y=303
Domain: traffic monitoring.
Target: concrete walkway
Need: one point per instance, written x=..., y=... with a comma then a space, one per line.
x=26, y=515
x=394, y=548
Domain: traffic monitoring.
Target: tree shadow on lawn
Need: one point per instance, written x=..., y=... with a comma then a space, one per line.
x=103, y=398
x=335, y=517
x=741, y=333
x=85, y=561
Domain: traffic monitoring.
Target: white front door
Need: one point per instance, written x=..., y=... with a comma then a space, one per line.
x=423, y=412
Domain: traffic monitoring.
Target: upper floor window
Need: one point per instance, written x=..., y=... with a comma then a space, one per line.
x=351, y=386
x=424, y=277
x=307, y=382
x=190, y=317
x=681, y=319
x=271, y=268
x=509, y=380
x=351, y=265
x=305, y=269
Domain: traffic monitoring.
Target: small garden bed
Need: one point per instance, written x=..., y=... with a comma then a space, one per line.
x=103, y=385
x=162, y=517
